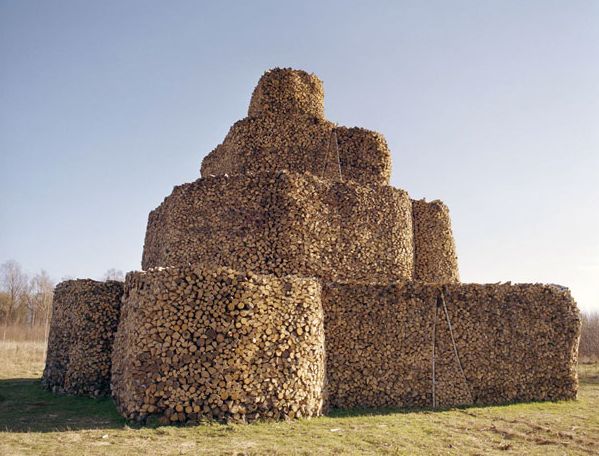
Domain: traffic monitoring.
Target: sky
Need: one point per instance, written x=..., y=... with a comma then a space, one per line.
x=491, y=106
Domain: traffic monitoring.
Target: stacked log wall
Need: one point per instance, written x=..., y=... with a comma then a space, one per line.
x=285, y=223
x=211, y=343
x=85, y=316
x=513, y=343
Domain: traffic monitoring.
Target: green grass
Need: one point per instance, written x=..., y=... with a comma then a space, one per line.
x=33, y=421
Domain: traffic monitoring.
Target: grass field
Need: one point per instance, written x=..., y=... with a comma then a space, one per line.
x=33, y=421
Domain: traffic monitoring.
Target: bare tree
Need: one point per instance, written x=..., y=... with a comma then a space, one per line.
x=14, y=283
x=4, y=298
x=114, y=274
x=589, y=337
x=41, y=289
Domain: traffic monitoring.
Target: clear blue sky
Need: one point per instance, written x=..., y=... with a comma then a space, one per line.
x=491, y=106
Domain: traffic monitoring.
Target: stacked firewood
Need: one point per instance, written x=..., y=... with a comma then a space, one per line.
x=519, y=343
x=285, y=92
x=286, y=129
x=436, y=345
x=364, y=155
x=285, y=223
x=85, y=315
x=262, y=207
x=199, y=343
x=435, y=258
x=288, y=193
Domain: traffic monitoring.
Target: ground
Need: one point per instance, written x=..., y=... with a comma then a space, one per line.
x=33, y=421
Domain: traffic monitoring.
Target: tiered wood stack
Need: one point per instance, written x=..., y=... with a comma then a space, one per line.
x=85, y=315
x=285, y=223
x=288, y=192
x=198, y=343
x=286, y=129
x=512, y=343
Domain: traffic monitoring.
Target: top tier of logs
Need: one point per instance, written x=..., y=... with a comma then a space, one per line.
x=286, y=130
x=285, y=92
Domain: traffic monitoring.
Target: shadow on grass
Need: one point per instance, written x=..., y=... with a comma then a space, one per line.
x=26, y=407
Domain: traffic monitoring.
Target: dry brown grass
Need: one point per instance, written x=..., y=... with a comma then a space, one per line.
x=20, y=333
x=21, y=359
x=22, y=352
x=589, y=337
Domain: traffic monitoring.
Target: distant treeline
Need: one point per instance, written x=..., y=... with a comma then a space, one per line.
x=24, y=300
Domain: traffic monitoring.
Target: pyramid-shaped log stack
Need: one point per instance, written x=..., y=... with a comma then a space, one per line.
x=291, y=277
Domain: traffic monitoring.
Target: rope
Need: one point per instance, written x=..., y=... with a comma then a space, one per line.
x=332, y=144
x=455, y=348
x=434, y=343
x=336, y=145
x=414, y=236
x=326, y=157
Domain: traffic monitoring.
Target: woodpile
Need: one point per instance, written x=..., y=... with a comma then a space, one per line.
x=230, y=319
x=285, y=223
x=437, y=345
x=211, y=343
x=285, y=92
x=85, y=315
x=435, y=257
x=286, y=129
x=288, y=192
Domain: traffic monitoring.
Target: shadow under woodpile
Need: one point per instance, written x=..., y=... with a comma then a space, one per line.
x=26, y=407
